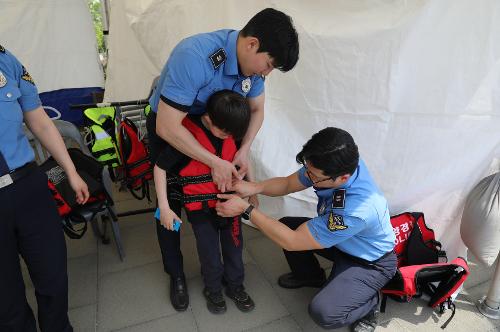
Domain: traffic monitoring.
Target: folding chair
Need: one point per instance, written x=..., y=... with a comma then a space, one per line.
x=73, y=138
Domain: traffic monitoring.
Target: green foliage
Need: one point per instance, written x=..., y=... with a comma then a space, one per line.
x=95, y=11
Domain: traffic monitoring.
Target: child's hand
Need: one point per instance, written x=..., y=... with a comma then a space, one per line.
x=167, y=217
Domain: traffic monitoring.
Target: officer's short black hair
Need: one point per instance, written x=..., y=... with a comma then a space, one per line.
x=230, y=112
x=331, y=150
x=277, y=36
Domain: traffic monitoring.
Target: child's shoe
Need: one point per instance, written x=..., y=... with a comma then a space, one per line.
x=242, y=300
x=215, y=302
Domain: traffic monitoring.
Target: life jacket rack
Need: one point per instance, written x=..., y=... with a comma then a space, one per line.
x=137, y=181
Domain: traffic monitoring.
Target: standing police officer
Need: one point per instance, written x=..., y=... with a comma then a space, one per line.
x=29, y=221
x=197, y=67
x=352, y=229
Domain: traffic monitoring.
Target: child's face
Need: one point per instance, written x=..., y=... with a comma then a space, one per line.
x=216, y=131
x=219, y=133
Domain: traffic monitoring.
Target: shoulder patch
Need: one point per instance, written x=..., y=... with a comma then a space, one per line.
x=218, y=58
x=2, y=49
x=336, y=222
x=27, y=77
x=338, y=199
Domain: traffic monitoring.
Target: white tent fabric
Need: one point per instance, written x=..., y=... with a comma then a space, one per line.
x=55, y=40
x=417, y=83
x=130, y=72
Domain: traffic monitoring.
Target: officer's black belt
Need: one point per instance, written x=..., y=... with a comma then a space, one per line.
x=17, y=174
x=383, y=256
x=363, y=261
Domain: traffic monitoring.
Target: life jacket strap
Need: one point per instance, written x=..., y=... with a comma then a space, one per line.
x=199, y=198
x=197, y=179
x=100, y=153
x=139, y=162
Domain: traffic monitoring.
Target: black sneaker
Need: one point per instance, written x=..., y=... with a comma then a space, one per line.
x=367, y=323
x=179, y=293
x=242, y=300
x=288, y=280
x=215, y=302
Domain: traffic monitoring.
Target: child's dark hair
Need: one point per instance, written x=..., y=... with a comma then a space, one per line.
x=332, y=150
x=230, y=112
x=277, y=36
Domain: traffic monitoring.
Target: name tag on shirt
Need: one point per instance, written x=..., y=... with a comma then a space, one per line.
x=338, y=199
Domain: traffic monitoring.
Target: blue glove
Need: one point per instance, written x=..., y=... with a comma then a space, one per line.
x=177, y=223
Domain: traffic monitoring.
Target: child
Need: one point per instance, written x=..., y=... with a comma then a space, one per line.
x=190, y=184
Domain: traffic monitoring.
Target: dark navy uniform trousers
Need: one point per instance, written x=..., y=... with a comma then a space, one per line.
x=30, y=226
x=351, y=290
x=169, y=241
x=213, y=239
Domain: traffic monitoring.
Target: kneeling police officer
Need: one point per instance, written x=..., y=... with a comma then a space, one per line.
x=352, y=229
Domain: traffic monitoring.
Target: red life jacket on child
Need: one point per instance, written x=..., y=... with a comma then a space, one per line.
x=419, y=270
x=198, y=188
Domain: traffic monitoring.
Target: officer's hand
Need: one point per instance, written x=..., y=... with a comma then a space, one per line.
x=79, y=187
x=222, y=174
x=244, y=188
x=234, y=206
x=167, y=217
x=241, y=160
x=254, y=200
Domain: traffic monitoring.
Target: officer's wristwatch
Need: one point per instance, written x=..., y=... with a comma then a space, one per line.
x=246, y=214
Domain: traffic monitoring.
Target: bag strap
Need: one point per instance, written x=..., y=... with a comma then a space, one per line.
x=142, y=192
x=451, y=306
x=70, y=230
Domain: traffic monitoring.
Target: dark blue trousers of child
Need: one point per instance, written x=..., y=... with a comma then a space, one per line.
x=212, y=239
x=351, y=290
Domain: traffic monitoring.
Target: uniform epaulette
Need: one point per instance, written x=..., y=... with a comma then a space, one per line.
x=218, y=58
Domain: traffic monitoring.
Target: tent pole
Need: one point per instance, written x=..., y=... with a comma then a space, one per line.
x=105, y=16
x=490, y=306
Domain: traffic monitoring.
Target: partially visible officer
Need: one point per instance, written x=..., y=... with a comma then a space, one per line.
x=352, y=229
x=29, y=221
x=197, y=67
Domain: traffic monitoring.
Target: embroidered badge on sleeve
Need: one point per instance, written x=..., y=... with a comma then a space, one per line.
x=27, y=77
x=336, y=222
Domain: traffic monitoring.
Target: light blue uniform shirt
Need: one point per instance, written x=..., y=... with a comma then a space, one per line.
x=354, y=217
x=18, y=95
x=191, y=76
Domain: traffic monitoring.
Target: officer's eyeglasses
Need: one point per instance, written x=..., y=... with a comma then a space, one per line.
x=311, y=176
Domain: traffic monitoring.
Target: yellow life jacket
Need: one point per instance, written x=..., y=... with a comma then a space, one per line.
x=103, y=125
